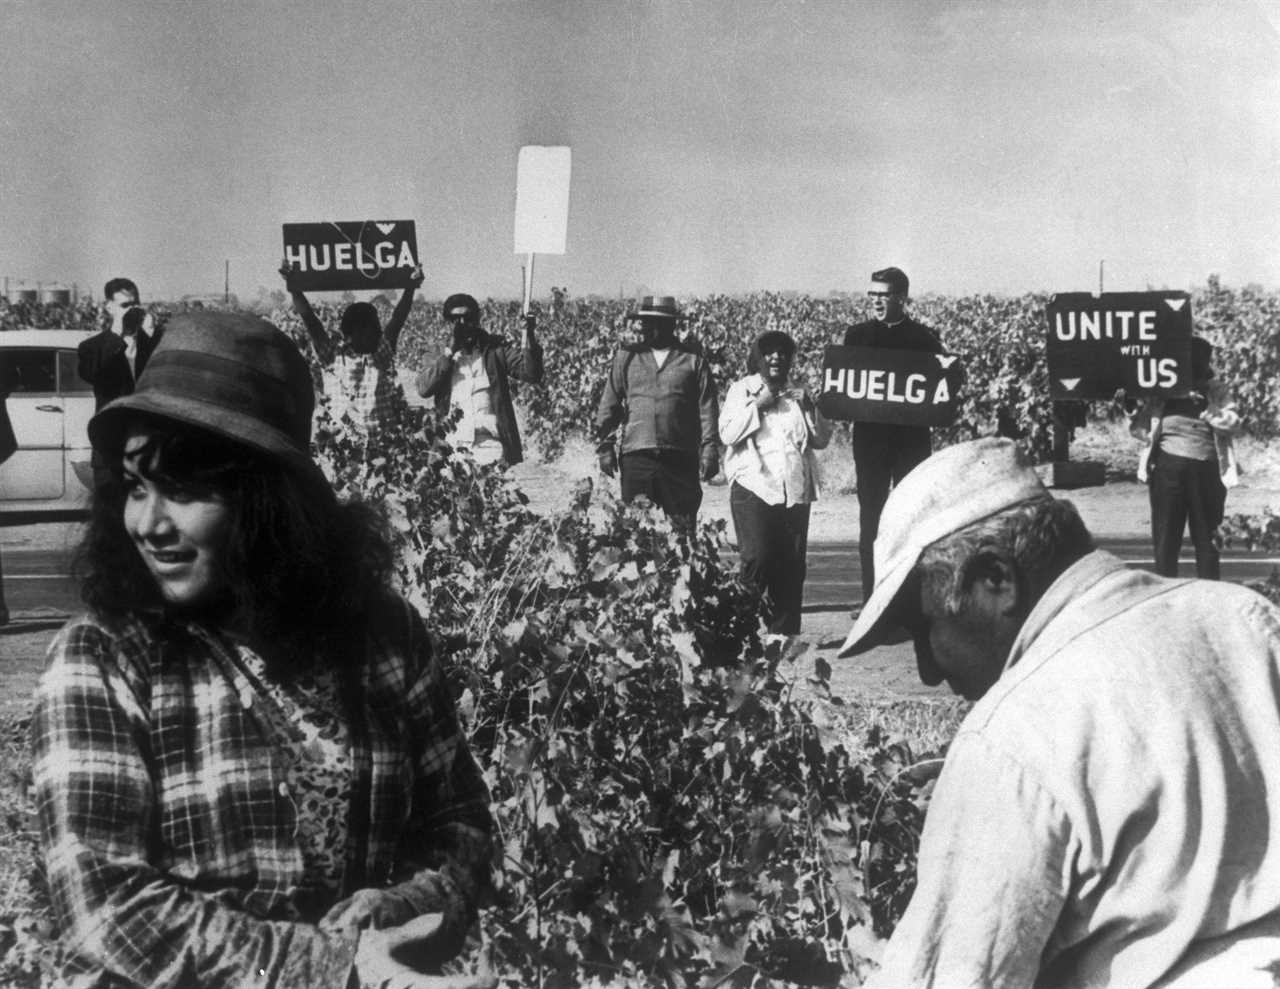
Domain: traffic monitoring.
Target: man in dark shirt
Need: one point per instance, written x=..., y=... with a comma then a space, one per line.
x=883, y=453
x=112, y=358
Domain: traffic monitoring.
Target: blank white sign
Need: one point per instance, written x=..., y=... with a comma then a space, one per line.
x=542, y=199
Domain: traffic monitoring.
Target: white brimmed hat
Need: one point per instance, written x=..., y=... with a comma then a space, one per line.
x=954, y=488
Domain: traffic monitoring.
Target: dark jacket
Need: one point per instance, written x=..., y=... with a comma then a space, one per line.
x=674, y=407
x=103, y=364
x=502, y=360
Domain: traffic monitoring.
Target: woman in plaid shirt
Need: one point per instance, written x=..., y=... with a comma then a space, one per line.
x=248, y=767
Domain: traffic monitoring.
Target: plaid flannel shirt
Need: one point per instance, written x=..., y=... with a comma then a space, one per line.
x=361, y=385
x=169, y=833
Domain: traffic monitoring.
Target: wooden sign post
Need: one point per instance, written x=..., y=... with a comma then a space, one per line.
x=542, y=206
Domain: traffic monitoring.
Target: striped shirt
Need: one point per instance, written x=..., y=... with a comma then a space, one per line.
x=169, y=832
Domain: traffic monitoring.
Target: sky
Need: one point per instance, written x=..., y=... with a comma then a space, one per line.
x=717, y=145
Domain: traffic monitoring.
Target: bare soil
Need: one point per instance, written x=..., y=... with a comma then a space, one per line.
x=1118, y=508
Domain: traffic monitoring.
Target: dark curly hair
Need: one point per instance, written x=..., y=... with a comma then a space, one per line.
x=302, y=568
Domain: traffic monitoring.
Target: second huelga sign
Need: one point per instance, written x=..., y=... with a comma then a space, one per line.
x=906, y=387
x=349, y=255
x=1138, y=341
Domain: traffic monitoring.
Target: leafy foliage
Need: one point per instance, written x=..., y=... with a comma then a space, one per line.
x=1001, y=342
x=1255, y=532
x=674, y=803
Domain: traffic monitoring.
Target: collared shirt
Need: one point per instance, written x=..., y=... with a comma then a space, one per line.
x=1108, y=810
x=361, y=386
x=770, y=451
x=471, y=391
x=169, y=826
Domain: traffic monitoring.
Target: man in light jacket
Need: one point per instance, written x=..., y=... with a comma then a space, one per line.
x=1106, y=815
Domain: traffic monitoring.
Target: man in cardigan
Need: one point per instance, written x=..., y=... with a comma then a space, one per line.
x=662, y=395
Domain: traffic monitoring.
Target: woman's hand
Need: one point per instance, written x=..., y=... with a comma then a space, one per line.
x=401, y=958
x=364, y=909
x=767, y=398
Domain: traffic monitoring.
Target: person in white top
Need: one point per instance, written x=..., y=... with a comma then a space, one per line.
x=771, y=432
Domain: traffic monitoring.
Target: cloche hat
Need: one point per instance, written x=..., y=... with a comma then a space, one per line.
x=235, y=375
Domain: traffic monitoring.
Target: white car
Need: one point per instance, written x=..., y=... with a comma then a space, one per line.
x=50, y=405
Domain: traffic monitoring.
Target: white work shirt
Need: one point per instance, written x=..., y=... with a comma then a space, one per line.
x=471, y=392
x=1108, y=813
x=770, y=452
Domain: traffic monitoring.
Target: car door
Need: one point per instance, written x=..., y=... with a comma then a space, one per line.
x=76, y=395
x=35, y=471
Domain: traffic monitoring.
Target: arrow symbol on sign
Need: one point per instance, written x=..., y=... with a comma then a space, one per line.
x=1174, y=304
x=945, y=361
x=386, y=228
x=1069, y=383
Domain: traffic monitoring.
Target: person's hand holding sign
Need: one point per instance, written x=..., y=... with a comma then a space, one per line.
x=287, y=271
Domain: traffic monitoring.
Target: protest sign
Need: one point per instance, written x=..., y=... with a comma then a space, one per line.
x=905, y=387
x=1138, y=341
x=542, y=205
x=357, y=254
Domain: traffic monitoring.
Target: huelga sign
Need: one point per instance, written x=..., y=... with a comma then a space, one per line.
x=1138, y=341
x=906, y=387
x=357, y=254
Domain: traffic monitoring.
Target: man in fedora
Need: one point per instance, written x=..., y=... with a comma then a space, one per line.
x=660, y=392
x=1106, y=814
x=883, y=453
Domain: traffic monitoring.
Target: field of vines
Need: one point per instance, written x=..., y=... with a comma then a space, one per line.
x=677, y=805
x=1001, y=342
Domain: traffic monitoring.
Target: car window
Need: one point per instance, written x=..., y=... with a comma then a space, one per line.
x=32, y=371
x=69, y=380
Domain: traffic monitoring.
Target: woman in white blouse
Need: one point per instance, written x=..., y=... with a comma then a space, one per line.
x=770, y=432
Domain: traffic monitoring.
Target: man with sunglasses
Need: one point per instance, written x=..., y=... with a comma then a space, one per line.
x=474, y=376
x=883, y=453
x=1106, y=814
x=112, y=358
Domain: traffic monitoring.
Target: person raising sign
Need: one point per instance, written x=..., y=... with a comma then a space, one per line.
x=359, y=366
x=474, y=376
x=883, y=453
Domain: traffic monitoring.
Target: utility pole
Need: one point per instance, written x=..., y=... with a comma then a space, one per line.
x=226, y=282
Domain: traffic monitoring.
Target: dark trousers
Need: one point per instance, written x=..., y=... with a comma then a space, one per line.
x=668, y=478
x=1185, y=493
x=772, y=542
x=882, y=455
